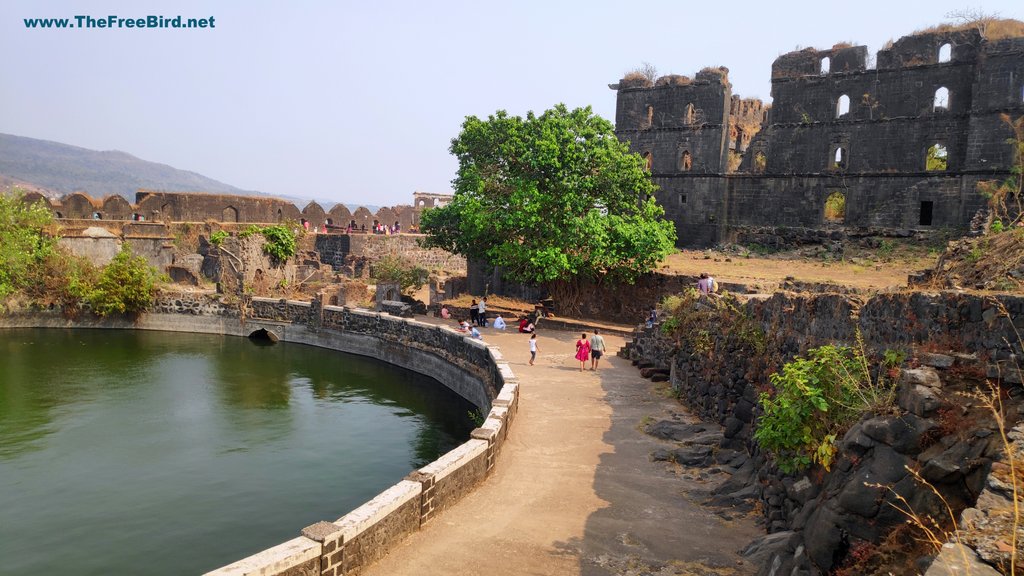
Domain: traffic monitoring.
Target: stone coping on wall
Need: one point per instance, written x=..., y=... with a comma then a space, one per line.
x=371, y=530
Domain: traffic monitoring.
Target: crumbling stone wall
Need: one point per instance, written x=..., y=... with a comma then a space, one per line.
x=838, y=126
x=156, y=206
x=815, y=519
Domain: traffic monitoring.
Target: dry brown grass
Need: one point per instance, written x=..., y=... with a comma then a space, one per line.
x=674, y=80
x=990, y=28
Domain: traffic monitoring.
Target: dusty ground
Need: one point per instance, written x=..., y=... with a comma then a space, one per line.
x=574, y=491
x=863, y=269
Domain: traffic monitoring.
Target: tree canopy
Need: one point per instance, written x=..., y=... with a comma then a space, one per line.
x=551, y=198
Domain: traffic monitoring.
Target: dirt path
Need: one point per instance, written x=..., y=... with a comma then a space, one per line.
x=574, y=490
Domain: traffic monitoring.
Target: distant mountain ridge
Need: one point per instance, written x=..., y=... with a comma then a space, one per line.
x=55, y=169
x=62, y=169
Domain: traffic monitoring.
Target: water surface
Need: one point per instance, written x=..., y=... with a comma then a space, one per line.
x=126, y=452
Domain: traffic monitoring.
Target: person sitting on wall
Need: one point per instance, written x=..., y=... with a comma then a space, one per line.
x=464, y=326
x=526, y=326
x=499, y=322
x=475, y=333
x=444, y=312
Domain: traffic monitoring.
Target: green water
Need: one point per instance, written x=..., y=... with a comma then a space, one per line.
x=128, y=452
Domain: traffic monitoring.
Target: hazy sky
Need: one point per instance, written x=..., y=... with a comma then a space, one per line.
x=358, y=102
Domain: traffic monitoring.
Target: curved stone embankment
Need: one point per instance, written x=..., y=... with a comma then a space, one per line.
x=472, y=369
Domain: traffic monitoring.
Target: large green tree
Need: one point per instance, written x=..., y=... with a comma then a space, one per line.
x=552, y=199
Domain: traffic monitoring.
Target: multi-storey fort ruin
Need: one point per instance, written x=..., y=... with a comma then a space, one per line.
x=903, y=144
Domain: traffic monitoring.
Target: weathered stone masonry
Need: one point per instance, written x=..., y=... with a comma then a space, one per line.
x=861, y=132
x=814, y=521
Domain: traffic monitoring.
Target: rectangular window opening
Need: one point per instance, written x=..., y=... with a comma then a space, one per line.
x=926, y=213
x=682, y=198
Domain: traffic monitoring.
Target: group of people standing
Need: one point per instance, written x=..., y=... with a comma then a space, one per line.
x=478, y=312
x=592, y=349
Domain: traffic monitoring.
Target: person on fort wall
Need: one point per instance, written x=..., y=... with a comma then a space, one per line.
x=597, y=348
x=583, y=351
x=706, y=285
x=474, y=312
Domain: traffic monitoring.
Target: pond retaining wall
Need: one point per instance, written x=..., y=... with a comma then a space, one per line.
x=472, y=369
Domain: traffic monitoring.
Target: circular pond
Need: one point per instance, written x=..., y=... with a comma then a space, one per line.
x=162, y=453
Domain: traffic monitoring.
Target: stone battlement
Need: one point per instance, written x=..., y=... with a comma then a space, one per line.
x=158, y=206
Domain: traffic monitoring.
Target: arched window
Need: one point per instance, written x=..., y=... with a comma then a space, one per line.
x=826, y=65
x=760, y=162
x=937, y=158
x=229, y=214
x=835, y=207
x=839, y=159
x=690, y=115
x=945, y=53
x=650, y=117
x=842, y=106
x=941, y=101
x=280, y=215
x=685, y=161
x=648, y=161
x=97, y=216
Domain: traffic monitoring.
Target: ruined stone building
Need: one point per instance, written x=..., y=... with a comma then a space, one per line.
x=898, y=147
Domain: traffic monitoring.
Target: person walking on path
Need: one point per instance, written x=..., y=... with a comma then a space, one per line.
x=481, y=315
x=583, y=351
x=533, y=348
x=597, y=349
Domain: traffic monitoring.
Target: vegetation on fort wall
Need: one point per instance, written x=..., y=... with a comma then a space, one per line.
x=700, y=323
x=551, y=199
x=33, y=266
x=1006, y=199
x=399, y=270
x=126, y=286
x=24, y=244
x=814, y=399
x=279, y=240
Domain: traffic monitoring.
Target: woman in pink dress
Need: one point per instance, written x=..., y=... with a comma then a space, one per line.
x=583, y=351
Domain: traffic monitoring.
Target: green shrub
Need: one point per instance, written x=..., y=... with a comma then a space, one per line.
x=394, y=268
x=63, y=280
x=126, y=286
x=280, y=242
x=23, y=243
x=218, y=237
x=815, y=399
